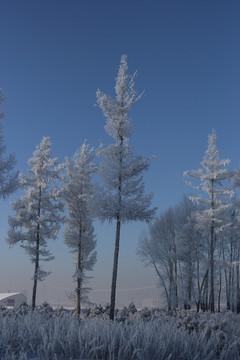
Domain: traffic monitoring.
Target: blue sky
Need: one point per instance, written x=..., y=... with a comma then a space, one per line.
x=55, y=54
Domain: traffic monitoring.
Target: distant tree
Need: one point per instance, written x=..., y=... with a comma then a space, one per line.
x=78, y=193
x=175, y=248
x=211, y=176
x=157, y=248
x=228, y=256
x=121, y=171
x=191, y=246
x=38, y=212
x=232, y=250
x=8, y=178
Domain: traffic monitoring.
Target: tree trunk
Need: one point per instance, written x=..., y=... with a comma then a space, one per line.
x=175, y=278
x=201, y=292
x=115, y=268
x=238, y=289
x=230, y=275
x=199, y=287
x=205, y=302
x=220, y=290
x=164, y=285
x=227, y=286
x=171, y=286
x=79, y=268
x=35, y=277
x=212, y=305
x=189, y=286
x=232, y=291
x=117, y=239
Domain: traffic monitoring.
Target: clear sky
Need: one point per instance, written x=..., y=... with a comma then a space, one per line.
x=55, y=54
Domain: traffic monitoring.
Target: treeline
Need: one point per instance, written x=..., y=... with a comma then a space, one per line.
x=194, y=247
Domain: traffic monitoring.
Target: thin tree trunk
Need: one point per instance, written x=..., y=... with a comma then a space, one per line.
x=171, y=286
x=164, y=285
x=36, y=270
x=227, y=290
x=175, y=277
x=230, y=275
x=189, y=285
x=201, y=292
x=117, y=239
x=115, y=268
x=78, y=305
x=220, y=291
x=227, y=286
x=199, y=287
x=35, y=277
x=79, y=268
x=212, y=305
x=205, y=308
x=238, y=289
x=232, y=291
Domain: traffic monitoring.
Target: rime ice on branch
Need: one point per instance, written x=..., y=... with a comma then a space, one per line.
x=123, y=199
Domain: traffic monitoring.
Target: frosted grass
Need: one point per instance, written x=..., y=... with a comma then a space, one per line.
x=36, y=335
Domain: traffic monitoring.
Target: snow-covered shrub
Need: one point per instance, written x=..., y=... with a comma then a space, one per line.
x=146, y=314
x=132, y=308
x=96, y=312
x=46, y=308
x=23, y=309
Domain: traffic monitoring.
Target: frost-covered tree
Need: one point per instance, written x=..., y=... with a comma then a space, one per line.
x=123, y=199
x=186, y=247
x=38, y=212
x=78, y=193
x=228, y=258
x=191, y=252
x=212, y=176
x=158, y=249
x=8, y=178
x=232, y=250
x=176, y=249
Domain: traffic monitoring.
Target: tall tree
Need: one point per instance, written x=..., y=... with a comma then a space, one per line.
x=8, y=178
x=78, y=193
x=121, y=171
x=38, y=212
x=212, y=176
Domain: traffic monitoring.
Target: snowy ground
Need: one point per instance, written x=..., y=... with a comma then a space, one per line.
x=154, y=335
